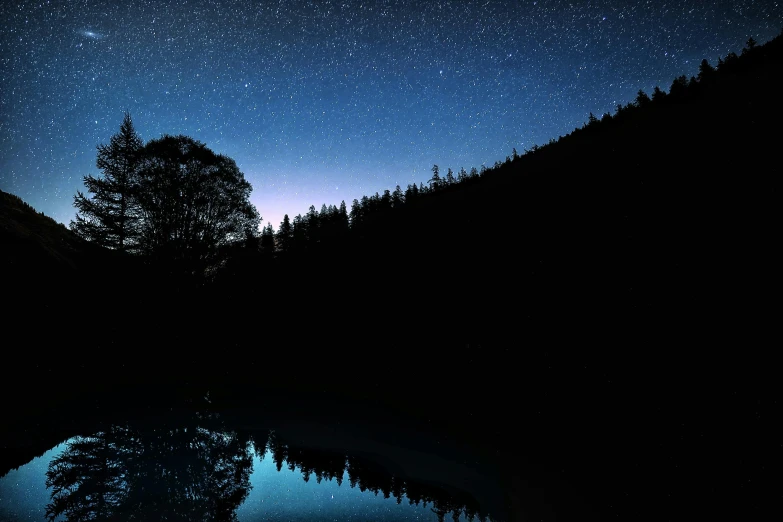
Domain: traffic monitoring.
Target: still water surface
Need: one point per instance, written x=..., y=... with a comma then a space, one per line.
x=200, y=470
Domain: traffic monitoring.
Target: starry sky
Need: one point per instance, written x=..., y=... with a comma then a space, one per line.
x=324, y=101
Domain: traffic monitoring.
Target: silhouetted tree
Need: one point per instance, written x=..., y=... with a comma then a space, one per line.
x=450, y=177
x=355, y=216
x=312, y=226
x=285, y=235
x=299, y=234
x=642, y=100
x=435, y=180
x=620, y=113
x=267, y=239
x=342, y=217
x=679, y=87
x=397, y=197
x=706, y=71
x=729, y=63
x=192, y=203
x=375, y=203
x=386, y=200
x=411, y=193
x=750, y=45
x=109, y=217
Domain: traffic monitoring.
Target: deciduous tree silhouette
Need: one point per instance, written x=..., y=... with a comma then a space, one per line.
x=193, y=203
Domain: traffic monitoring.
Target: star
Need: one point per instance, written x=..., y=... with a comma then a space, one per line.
x=306, y=99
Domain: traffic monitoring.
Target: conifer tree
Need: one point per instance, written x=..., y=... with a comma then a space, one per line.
x=109, y=217
x=642, y=99
x=268, y=239
x=285, y=235
x=435, y=180
x=450, y=177
x=342, y=217
x=706, y=71
x=397, y=197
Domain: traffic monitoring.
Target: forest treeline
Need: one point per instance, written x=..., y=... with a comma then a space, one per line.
x=610, y=221
x=594, y=275
x=116, y=222
x=622, y=200
x=304, y=232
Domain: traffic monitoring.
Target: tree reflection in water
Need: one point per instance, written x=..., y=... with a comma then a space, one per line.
x=196, y=468
x=197, y=471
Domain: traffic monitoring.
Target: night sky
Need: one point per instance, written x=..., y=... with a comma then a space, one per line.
x=321, y=101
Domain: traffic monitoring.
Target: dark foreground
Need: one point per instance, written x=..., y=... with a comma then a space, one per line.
x=529, y=437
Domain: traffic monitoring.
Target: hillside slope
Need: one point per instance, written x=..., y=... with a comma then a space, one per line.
x=607, y=291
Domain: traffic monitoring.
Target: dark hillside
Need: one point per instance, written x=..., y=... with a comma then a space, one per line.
x=35, y=246
x=608, y=285
x=47, y=264
x=628, y=222
x=64, y=299
x=602, y=295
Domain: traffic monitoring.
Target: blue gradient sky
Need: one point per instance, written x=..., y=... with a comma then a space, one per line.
x=320, y=102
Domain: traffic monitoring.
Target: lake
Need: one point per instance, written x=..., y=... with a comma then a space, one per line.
x=294, y=459
x=506, y=441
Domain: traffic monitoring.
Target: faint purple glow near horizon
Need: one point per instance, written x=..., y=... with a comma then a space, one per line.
x=323, y=102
